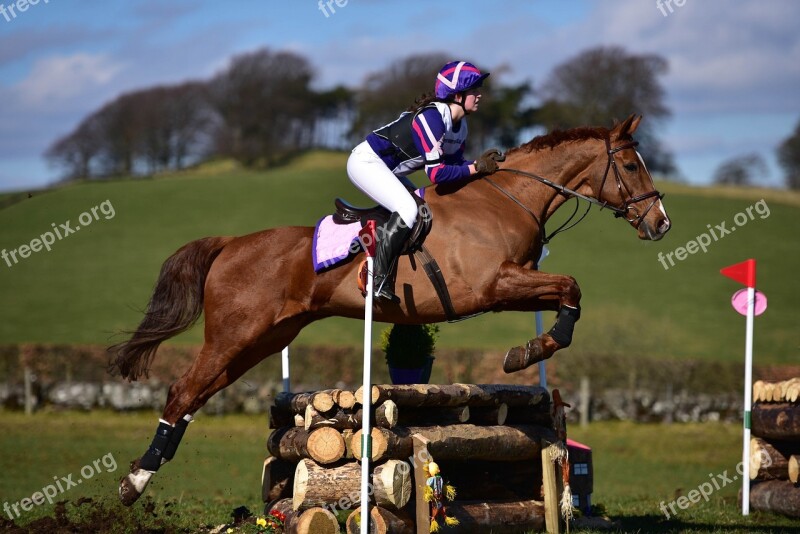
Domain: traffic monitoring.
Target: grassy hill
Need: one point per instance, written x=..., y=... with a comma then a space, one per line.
x=95, y=282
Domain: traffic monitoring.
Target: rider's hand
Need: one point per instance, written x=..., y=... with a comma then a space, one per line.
x=487, y=163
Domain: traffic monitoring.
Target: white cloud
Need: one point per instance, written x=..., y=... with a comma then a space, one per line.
x=727, y=55
x=56, y=79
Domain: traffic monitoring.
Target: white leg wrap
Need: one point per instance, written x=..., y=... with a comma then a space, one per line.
x=140, y=478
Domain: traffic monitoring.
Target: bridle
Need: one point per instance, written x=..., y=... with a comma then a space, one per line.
x=619, y=211
x=627, y=205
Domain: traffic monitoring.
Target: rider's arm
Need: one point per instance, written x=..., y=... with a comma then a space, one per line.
x=428, y=130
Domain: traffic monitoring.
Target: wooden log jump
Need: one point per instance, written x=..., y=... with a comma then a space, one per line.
x=775, y=447
x=492, y=442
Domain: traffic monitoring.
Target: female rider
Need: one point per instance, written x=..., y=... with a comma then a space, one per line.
x=432, y=135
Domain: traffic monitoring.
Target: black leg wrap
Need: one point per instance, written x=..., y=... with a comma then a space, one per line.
x=175, y=439
x=151, y=460
x=565, y=325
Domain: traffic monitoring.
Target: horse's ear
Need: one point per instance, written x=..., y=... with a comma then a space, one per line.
x=626, y=127
x=634, y=124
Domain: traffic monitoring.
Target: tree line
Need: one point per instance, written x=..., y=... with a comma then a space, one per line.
x=263, y=109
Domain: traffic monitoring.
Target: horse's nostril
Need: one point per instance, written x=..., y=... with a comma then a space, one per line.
x=663, y=226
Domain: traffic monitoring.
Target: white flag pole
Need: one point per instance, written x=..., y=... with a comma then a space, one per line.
x=540, y=327
x=285, y=368
x=748, y=398
x=368, y=237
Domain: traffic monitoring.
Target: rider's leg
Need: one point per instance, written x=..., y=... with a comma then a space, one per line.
x=371, y=175
x=391, y=237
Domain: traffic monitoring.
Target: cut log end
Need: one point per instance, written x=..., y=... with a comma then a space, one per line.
x=317, y=521
x=326, y=445
x=323, y=402
x=794, y=468
x=382, y=521
x=392, y=482
x=347, y=399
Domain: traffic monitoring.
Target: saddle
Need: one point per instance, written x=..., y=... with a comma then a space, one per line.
x=346, y=213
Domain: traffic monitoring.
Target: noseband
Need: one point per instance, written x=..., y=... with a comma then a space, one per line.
x=619, y=211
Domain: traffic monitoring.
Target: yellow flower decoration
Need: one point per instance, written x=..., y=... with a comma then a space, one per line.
x=261, y=522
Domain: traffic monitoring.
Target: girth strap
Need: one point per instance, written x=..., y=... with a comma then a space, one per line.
x=433, y=271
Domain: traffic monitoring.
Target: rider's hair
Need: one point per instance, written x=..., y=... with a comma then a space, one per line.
x=423, y=100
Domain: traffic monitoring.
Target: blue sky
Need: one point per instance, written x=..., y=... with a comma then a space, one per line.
x=733, y=85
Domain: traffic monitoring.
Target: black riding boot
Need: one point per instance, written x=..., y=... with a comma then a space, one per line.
x=391, y=237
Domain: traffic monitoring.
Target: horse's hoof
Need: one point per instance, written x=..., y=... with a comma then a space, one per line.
x=132, y=485
x=520, y=358
x=515, y=360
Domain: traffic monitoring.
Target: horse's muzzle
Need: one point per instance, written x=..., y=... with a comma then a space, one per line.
x=655, y=232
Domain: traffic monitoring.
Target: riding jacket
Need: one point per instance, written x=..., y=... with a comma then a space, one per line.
x=425, y=138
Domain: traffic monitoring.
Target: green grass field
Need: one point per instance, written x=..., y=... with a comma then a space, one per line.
x=94, y=282
x=218, y=469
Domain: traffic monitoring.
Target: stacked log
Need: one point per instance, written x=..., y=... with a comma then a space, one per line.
x=487, y=440
x=775, y=447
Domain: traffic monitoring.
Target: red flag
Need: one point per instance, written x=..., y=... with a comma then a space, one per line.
x=744, y=272
x=368, y=238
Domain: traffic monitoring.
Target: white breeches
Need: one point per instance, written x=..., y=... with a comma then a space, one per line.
x=370, y=174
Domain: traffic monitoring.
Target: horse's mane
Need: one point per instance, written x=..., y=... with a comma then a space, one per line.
x=556, y=137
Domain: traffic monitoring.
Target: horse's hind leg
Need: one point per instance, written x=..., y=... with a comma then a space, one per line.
x=214, y=369
x=521, y=289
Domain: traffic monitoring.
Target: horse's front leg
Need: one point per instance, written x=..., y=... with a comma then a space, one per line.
x=521, y=289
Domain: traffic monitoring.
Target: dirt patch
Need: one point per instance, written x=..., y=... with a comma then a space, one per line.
x=91, y=517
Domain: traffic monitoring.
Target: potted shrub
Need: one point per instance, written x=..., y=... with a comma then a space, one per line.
x=409, y=352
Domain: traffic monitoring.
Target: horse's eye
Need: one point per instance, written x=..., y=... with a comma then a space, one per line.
x=631, y=167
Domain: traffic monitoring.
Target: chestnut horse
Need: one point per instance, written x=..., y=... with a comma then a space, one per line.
x=258, y=291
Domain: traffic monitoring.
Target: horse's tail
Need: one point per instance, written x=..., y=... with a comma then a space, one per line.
x=175, y=305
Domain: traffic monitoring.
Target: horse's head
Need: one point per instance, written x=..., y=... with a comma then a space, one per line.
x=626, y=185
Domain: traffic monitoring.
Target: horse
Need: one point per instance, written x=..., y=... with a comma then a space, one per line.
x=258, y=291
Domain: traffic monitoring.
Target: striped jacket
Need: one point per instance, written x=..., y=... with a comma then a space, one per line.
x=425, y=138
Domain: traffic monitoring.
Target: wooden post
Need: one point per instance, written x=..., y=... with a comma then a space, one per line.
x=421, y=455
x=28, y=377
x=552, y=488
x=670, y=415
x=584, y=401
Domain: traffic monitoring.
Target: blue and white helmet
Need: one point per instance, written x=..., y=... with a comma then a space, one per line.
x=457, y=77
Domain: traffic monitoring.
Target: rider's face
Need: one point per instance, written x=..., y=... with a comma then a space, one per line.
x=471, y=99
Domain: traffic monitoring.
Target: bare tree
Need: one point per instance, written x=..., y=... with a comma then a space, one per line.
x=173, y=125
x=264, y=100
x=604, y=84
x=76, y=151
x=789, y=158
x=153, y=129
x=741, y=170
